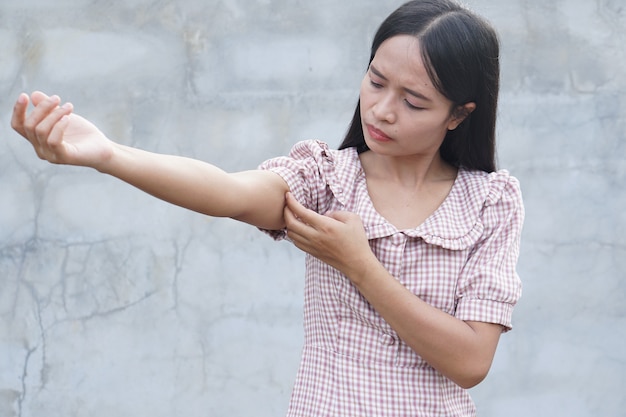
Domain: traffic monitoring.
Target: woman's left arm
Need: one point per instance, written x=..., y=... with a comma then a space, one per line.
x=461, y=350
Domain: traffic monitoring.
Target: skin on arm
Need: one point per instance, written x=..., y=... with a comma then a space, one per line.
x=62, y=137
x=462, y=351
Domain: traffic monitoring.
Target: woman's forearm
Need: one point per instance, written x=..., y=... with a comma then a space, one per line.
x=182, y=181
x=255, y=197
x=462, y=351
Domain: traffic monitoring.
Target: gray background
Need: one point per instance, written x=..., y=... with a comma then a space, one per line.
x=115, y=304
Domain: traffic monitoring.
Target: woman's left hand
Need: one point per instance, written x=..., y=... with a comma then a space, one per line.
x=337, y=238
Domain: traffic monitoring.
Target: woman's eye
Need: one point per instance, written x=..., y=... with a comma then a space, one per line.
x=412, y=106
x=375, y=84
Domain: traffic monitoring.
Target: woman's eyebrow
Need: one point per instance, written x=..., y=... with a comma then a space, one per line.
x=419, y=95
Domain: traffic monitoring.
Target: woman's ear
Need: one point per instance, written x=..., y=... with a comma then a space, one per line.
x=460, y=113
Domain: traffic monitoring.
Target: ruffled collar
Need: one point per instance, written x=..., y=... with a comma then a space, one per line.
x=455, y=225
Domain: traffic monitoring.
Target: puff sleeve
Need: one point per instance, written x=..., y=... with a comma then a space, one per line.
x=308, y=171
x=489, y=286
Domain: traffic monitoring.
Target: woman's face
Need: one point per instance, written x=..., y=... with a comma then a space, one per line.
x=402, y=113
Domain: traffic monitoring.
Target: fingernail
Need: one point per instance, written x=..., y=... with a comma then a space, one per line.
x=67, y=106
x=22, y=98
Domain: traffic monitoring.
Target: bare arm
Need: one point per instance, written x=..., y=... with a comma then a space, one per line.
x=255, y=197
x=59, y=136
x=462, y=351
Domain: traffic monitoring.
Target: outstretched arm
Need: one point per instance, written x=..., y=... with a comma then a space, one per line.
x=462, y=351
x=62, y=137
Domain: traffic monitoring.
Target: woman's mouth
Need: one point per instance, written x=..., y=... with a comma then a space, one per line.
x=377, y=134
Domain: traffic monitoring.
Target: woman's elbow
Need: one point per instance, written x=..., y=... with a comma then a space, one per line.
x=472, y=376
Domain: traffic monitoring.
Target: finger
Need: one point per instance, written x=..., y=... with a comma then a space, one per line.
x=44, y=128
x=293, y=223
x=42, y=108
x=58, y=129
x=55, y=139
x=37, y=97
x=19, y=114
x=40, y=112
x=288, y=215
x=302, y=213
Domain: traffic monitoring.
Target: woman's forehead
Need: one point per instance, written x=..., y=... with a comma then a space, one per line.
x=399, y=59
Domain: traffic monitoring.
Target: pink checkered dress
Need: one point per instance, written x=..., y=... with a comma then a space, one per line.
x=461, y=259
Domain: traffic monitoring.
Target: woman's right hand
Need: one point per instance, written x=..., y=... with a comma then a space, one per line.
x=58, y=135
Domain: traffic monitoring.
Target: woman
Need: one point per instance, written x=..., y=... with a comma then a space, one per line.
x=412, y=236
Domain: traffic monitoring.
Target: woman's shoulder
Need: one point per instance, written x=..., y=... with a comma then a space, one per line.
x=309, y=147
x=306, y=152
x=333, y=164
x=488, y=188
x=322, y=152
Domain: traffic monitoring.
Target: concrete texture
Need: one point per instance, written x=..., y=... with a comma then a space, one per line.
x=113, y=303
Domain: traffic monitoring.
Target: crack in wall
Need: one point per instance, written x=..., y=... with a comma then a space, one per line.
x=22, y=395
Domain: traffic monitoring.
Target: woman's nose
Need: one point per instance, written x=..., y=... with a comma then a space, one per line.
x=384, y=109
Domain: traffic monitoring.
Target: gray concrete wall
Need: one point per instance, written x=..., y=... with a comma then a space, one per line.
x=113, y=303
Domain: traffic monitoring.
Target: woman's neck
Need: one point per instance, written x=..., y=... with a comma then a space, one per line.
x=409, y=172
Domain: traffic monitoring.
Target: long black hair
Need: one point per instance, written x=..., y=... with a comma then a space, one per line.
x=461, y=53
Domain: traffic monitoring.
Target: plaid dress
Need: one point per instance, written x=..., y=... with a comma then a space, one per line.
x=461, y=260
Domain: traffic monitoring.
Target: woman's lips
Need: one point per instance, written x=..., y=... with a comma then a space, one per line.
x=378, y=135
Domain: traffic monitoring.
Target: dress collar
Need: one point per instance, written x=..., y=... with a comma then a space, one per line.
x=455, y=225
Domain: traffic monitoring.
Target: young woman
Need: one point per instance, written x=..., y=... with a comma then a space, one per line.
x=412, y=235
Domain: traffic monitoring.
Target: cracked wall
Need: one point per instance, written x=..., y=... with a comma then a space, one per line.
x=113, y=303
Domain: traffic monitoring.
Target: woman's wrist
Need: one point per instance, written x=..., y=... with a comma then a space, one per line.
x=110, y=161
x=361, y=271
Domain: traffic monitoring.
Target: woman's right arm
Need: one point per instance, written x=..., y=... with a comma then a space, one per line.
x=61, y=137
